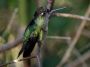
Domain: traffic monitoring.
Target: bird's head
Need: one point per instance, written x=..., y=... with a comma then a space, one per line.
x=39, y=12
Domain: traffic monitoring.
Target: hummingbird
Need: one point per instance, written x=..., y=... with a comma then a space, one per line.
x=33, y=33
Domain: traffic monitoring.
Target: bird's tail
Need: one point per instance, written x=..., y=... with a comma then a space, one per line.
x=20, y=52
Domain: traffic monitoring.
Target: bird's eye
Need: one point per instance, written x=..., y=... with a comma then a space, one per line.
x=42, y=13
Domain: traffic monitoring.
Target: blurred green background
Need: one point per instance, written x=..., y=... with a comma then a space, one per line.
x=58, y=26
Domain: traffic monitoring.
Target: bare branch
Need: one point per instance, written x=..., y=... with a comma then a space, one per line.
x=15, y=43
x=17, y=60
x=54, y=10
x=74, y=41
x=78, y=61
x=50, y=4
x=59, y=37
x=38, y=55
x=12, y=19
x=72, y=16
x=49, y=7
x=79, y=55
x=10, y=45
x=39, y=61
x=76, y=53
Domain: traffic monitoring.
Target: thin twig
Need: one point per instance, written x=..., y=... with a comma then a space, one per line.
x=54, y=10
x=72, y=16
x=15, y=43
x=50, y=4
x=39, y=61
x=78, y=61
x=59, y=37
x=10, y=45
x=74, y=41
x=49, y=7
x=11, y=20
x=76, y=52
x=17, y=60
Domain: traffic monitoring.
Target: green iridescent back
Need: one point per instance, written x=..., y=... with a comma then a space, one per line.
x=34, y=29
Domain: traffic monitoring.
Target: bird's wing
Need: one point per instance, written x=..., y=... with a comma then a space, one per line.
x=27, y=34
x=30, y=45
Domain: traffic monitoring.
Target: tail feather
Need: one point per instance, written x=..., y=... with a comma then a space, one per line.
x=20, y=52
x=29, y=46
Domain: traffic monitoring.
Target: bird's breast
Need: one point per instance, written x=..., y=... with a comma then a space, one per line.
x=40, y=21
